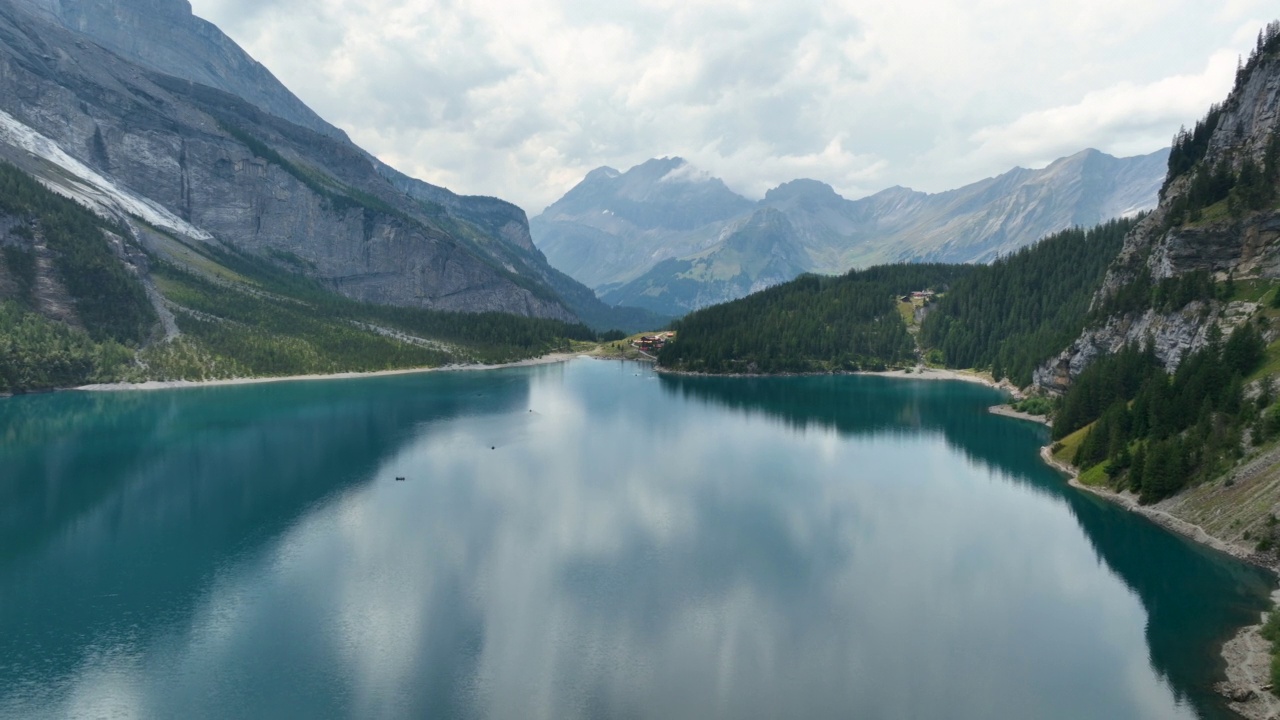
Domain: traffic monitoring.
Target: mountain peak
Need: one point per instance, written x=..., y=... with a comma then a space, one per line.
x=802, y=187
x=1084, y=156
x=604, y=172
x=656, y=169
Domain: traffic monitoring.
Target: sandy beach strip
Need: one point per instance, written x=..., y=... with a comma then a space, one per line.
x=548, y=359
x=927, y=373
x=1009, y=412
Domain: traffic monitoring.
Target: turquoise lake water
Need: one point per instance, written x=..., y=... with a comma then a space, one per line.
x=584, y=540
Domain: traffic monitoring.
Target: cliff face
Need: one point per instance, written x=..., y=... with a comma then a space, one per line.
x=1173, y=336
x=1223, y=239
x=229, y=171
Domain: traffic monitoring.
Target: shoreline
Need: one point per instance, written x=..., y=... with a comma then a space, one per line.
x=548, y=359
x=920, y=372
x=1009, y=412
x=1129, y=502
x=1247, y=688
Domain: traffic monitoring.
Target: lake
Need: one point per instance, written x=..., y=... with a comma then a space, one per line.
x=583, y=540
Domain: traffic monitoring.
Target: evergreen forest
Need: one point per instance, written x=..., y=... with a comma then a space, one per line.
x=1008, y=317
x=811, y=324
x=1155, y=433
x=1013, y=315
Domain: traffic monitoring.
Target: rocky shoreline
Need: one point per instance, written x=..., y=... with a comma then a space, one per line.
x=178, y=384
x=918, y=373
x=1129, y=501
x=1247, y=688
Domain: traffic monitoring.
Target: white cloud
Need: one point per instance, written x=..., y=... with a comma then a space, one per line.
x=686, y=174
x=1125, y=116
x=520, y=100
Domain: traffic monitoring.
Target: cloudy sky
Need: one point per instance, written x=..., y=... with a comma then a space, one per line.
x=521, y=99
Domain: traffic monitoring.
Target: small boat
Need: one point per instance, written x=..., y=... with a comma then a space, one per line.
x=399, y=479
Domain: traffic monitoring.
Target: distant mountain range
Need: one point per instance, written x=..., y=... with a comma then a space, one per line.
x=668, y=237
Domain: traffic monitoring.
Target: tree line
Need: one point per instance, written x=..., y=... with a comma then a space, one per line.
x=1009, y=317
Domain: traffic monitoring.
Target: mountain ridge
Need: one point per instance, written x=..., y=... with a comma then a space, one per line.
x=583, y=234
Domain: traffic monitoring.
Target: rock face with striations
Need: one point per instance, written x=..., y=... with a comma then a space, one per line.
x=1172, y=336
x=218, y=142
x=1227, y=243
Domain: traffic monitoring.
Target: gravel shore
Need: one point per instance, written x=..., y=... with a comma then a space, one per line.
x=174, y=384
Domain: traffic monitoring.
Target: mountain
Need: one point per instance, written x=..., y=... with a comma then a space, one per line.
x=81, y=303
x=162, y=106
x=1217, y=221
x=761, y=252
x=644, y=236
x=614, y=226
x=164, y=36
x=1167, y=397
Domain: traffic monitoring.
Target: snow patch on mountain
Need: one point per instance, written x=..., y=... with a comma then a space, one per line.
x=88, y=187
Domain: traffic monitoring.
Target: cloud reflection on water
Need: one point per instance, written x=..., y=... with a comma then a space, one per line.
x=626, y=550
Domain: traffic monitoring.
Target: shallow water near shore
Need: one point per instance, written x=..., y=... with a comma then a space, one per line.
x=585, y=540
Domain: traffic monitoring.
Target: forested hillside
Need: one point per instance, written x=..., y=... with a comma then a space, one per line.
x=1155, y=433
x=1013, y=315
x=108, y=301
x=1175, y=391
x=811, y=324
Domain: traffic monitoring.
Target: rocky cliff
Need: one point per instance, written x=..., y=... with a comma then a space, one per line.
x=1228, y=238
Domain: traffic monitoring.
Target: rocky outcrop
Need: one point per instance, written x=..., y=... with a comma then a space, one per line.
x=252, y=180
x=1172, y=336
